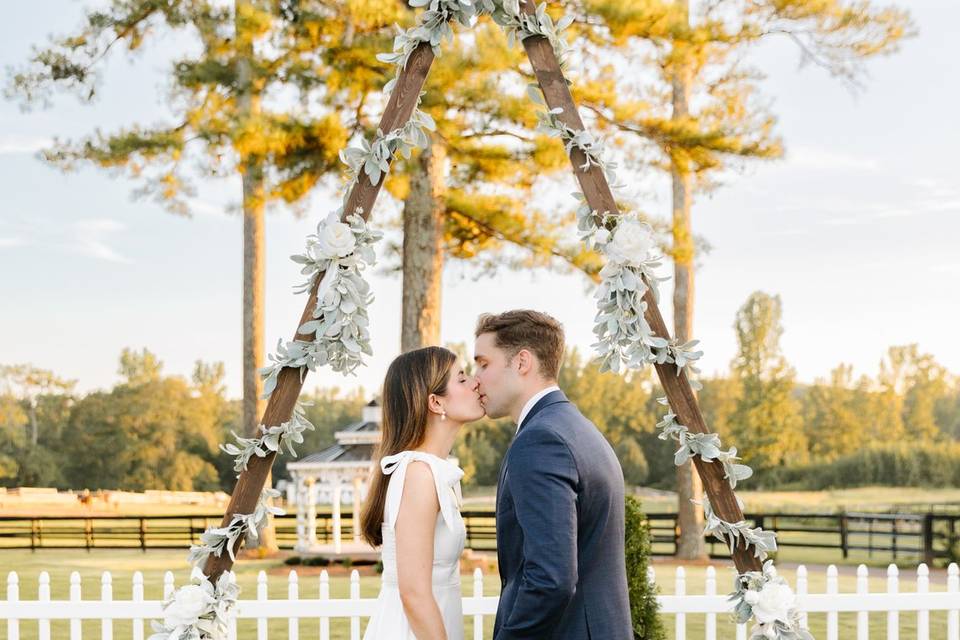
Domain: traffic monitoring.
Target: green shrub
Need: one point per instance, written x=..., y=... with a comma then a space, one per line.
x=293, y=560
x=886, y=464
x=643, y=593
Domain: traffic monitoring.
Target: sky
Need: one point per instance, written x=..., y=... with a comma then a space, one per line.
x=856, y=229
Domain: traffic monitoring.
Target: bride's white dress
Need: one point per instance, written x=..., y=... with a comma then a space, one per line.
x=389, y=622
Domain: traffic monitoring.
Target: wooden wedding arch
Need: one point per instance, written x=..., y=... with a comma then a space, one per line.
x=593, y=183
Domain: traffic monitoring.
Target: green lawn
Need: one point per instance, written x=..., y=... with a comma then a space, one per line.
x=122, y=564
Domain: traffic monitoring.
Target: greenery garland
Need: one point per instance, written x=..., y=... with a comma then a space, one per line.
x=342, y=250
x=625, y=339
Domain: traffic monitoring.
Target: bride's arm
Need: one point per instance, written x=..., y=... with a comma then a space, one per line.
x=416, y=522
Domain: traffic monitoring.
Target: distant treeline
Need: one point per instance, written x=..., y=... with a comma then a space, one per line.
x=155, y=431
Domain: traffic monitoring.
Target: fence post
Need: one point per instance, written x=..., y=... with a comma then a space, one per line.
x=478, y=593
x=893, y=616
x=75, y=623
x=33, y=528
x=928, y=555
x=863, y=620
x=324, y=595
x=261, y=596
x=681, y=590
x=137, y=596
x=802, y=591
x=923, y=616
x=13, y=595
x=88, y=533
x=844, y=532
x=43, y=595
x=106, y=595
x=293, y=593
x=953, y=615
x=143, y=535
x=355, y=595
x=893, y=537
x=833, y=632
x=710, y=630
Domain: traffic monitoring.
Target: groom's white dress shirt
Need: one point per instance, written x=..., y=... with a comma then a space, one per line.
x=532, y=401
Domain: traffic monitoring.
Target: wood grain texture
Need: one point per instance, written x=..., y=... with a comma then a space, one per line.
x=249, y=485
x=599, y=196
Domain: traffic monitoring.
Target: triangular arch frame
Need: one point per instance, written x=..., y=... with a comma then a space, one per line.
x=404, y=97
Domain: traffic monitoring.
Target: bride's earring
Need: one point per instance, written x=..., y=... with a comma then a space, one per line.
x=443, y=416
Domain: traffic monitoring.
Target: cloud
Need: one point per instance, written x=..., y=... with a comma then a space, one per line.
x=90, y=238
x=827, y=160
x=15, y=143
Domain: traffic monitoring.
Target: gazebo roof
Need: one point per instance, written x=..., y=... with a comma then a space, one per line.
x=355, y=443
x=338, y=453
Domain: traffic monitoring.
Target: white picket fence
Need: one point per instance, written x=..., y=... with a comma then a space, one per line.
x=42, y=610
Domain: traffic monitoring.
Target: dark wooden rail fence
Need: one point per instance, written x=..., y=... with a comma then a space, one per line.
x=907, y=536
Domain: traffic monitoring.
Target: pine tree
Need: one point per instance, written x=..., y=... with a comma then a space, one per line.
x=766, y=423
x=698, y=60
x=232, y=113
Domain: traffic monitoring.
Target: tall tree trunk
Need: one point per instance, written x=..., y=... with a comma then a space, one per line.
x=690, y=544
x=423, y=213
x=254, y=262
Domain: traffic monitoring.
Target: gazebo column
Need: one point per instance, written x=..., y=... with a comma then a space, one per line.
x=301, y=513
x=311, y=511
x=357, y=482
x=337, y=494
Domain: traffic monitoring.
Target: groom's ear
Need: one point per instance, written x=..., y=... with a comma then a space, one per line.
x=524, y=362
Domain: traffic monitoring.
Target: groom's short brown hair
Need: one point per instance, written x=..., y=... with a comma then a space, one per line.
x=526, y=329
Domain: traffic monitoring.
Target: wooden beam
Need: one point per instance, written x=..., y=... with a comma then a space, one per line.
x=600, y=197
x=250, y=483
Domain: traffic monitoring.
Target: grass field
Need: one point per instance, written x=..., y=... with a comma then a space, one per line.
x=122, y=564
x=858, y=499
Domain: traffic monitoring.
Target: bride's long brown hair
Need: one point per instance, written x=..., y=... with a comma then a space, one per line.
x=410, y=380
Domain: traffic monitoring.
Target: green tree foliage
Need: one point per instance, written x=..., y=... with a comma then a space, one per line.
x=766, y=425
x=149, y=432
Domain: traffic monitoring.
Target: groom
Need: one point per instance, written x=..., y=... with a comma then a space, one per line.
x=560, y=494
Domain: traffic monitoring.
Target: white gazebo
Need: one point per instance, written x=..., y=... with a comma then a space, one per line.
x=333, y=476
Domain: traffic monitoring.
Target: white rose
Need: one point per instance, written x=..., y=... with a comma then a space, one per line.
x=189, y=603
x=774, y=603
x=335, y=240
x=601, y=236
x=632, y=242
x=751, y=597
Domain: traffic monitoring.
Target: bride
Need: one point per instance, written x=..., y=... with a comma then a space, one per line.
x=412, y=509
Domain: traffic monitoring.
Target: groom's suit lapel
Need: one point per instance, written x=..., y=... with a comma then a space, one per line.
x=554, y=397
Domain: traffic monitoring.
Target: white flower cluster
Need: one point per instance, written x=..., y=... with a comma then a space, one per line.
x=272, y=439
x=216, y=540
x=200, y=610
x=340, y=251
x=624, y=338
x=767, y=598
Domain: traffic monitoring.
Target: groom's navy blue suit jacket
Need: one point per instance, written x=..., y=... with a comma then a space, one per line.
x=560, y=531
